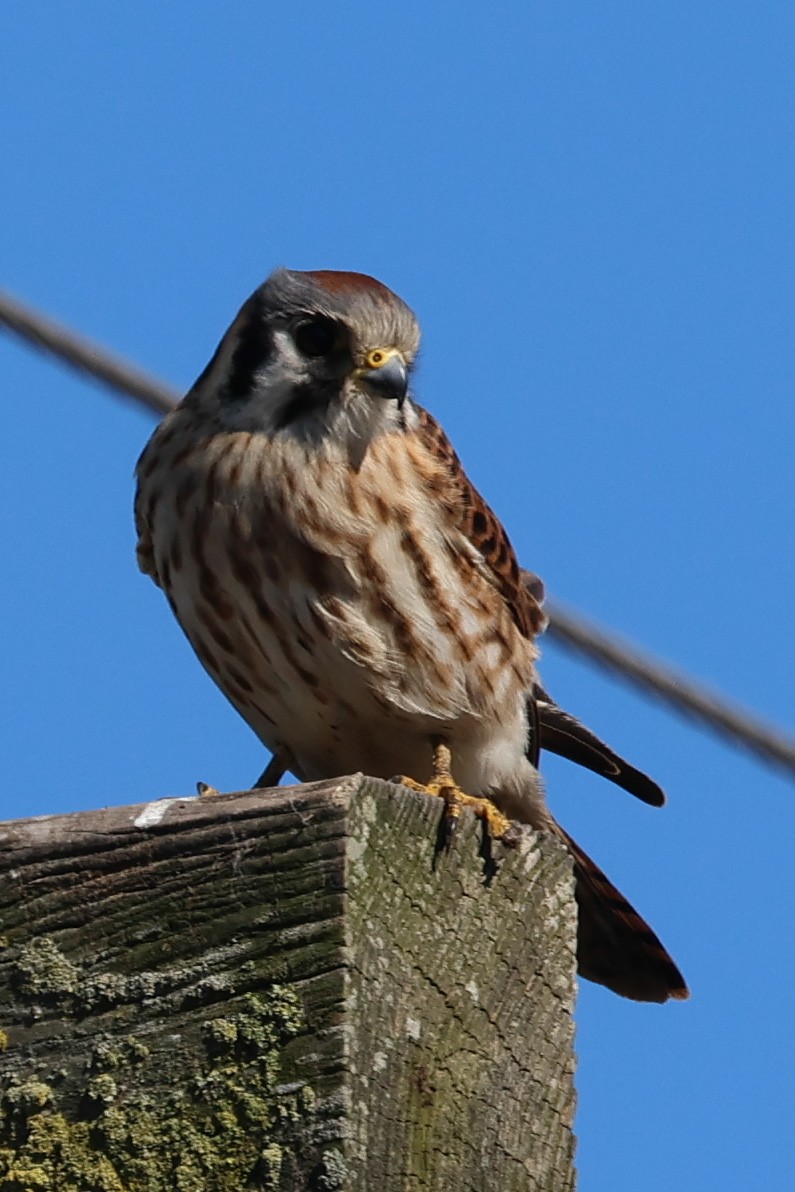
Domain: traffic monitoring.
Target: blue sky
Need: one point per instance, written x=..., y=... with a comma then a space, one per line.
x=590, y=206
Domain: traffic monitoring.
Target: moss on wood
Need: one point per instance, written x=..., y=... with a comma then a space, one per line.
x=281, y=992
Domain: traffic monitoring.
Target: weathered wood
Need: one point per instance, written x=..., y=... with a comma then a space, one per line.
x=283, y=990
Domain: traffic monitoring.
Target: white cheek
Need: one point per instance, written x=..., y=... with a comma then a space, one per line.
x=273, y=388
x=262, y=410
x=286, y=355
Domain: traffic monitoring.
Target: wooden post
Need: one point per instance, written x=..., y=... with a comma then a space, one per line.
x=283, y=990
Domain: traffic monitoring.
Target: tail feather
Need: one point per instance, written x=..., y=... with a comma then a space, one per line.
x=615, y=946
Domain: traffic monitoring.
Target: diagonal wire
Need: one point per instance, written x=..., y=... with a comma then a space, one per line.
x=85, y=356
x=689, y=699
x=686, y=697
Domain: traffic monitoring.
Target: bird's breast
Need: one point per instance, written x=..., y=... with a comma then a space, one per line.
x=337, y=607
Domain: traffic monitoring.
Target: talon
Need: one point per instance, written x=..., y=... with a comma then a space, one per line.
x=452, y=814
x=204, y=790
x=512, y=836
x=443, y=786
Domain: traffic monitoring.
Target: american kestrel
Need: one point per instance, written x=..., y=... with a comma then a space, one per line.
x=351, y=592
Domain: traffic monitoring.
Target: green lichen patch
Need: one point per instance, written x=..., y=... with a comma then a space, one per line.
x=120, y=1052
x=42, y=973
x=44, y=979
x=334, y=1172
x=222, y=1121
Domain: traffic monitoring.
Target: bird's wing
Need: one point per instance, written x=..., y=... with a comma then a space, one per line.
x=562, y=733
x=144, y=550
x=481, y=526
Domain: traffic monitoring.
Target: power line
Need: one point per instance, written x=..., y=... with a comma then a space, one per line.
x=685, y=696
x=85, y=356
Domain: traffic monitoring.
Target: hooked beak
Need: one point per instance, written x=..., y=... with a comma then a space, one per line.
x=385, y=373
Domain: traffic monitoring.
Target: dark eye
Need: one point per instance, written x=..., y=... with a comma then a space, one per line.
x=316, y=337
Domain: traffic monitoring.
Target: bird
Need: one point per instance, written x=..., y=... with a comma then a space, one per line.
x=352, y=593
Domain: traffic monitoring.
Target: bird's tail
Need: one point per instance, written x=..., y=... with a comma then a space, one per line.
x=615, y=946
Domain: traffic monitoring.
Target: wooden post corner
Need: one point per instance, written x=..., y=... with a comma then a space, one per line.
x=289, y=989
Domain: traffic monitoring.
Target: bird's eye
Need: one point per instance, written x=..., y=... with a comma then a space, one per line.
x=316, y=337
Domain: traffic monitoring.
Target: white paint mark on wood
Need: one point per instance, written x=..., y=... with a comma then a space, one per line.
x=154, y=812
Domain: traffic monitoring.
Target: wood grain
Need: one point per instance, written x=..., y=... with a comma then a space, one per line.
x=283, y=990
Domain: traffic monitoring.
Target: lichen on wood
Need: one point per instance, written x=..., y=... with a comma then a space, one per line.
x=284, y=990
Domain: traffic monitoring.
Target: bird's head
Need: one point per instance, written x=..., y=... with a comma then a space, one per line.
x=309, y=352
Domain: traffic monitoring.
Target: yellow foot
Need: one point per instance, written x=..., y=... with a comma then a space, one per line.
x=205, y=790
x=444, y=786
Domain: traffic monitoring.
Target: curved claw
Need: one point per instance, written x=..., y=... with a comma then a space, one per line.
x=443, y=786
